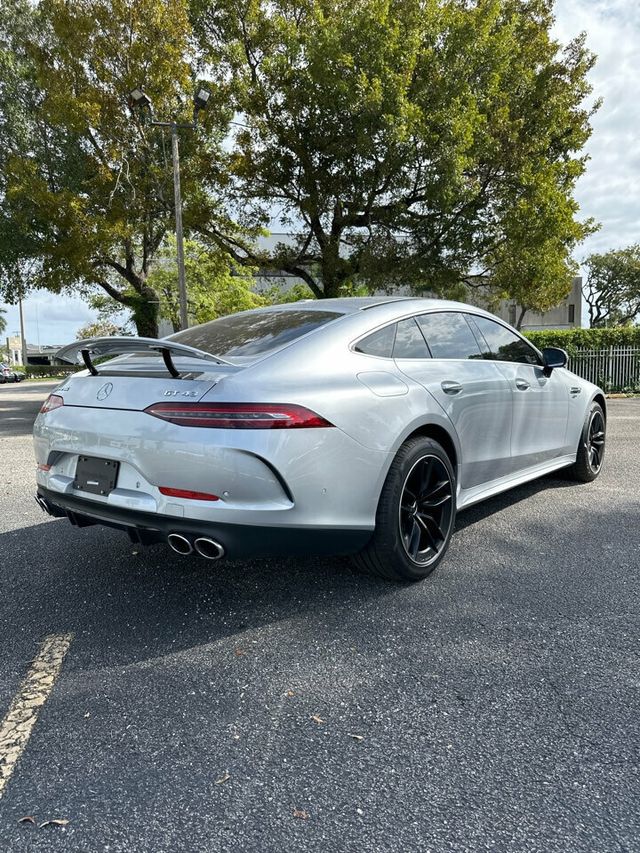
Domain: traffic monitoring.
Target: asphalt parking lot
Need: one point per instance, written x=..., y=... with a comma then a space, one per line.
x=293, y=705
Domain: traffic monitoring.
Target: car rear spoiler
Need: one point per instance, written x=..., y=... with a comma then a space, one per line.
x=98, y=347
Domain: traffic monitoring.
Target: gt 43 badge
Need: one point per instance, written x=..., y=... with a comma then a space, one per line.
x=170, y=393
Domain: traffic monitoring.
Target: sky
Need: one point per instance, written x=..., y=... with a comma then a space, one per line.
x=609, y=191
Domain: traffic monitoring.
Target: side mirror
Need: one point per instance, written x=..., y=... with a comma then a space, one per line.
x=553, y=357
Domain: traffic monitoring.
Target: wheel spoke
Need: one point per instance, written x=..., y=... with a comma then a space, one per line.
x=430, y=521
x=423, y=522
x=425, y=478
x=438, y=496
x=413, y=545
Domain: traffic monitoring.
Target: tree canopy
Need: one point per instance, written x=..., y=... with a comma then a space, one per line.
x=406, y=142
x=87, y=181
x=216, y=285
x=612, y=287
x=420, y=143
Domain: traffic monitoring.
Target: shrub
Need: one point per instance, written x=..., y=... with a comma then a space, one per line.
x=572, y=339
x=42, y=371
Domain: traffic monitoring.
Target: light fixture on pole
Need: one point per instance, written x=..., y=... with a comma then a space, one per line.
x=139, y=100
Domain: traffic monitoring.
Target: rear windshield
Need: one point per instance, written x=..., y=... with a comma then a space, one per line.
x=245, y=336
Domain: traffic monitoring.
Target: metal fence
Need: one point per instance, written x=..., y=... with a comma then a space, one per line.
x=612, y=368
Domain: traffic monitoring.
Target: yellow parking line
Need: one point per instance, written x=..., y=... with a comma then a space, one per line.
x=15, y=729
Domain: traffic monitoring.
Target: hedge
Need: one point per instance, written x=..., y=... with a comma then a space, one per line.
x=34, y=371
x=572, y=339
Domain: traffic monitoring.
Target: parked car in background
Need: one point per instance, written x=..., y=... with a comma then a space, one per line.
x=10, y=374
x=335, y=426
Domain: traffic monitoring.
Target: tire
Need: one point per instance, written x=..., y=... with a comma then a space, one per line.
x=591, y=448
x=421, y=477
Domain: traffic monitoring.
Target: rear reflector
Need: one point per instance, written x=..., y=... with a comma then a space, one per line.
x=186, y=493
x=238, y=415
x=42, y=467
x=53, y=401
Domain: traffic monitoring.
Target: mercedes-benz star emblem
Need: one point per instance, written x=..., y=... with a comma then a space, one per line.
x=104, y=392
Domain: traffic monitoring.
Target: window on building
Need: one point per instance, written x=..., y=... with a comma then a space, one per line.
x=512, y=315
x=572, y=313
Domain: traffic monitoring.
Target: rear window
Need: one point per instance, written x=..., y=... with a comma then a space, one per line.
x=378, y=343
x=245, y=336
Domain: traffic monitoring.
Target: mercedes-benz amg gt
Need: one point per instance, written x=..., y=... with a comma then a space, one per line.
x=339, y=426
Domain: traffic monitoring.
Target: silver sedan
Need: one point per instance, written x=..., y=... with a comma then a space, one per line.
x=341, y=426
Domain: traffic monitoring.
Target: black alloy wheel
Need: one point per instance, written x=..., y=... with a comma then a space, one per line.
x=591, y=448
x=426, y=506
x=415, y=516
x=595, y=440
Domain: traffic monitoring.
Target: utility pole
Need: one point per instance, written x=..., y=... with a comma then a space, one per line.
x=182, y=286
x=141, y=101
x=22, y=335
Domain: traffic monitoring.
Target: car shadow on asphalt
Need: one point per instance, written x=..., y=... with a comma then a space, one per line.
x=489, y=507
x=131, y=604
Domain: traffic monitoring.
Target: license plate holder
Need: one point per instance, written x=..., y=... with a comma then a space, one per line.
x=96, y=476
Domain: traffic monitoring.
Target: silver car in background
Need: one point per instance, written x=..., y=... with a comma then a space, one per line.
x=340, y=426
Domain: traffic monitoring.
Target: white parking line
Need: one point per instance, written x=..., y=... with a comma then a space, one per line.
x=15, y=729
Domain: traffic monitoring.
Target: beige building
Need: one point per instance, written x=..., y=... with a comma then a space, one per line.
x=566, y=315
x=13, y=350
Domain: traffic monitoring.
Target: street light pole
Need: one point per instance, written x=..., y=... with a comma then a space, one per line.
x=182, y=286
x=138, y=99
x=22, y=337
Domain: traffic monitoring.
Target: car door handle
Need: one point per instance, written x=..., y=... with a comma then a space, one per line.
x=521, y=385
x=451, y=387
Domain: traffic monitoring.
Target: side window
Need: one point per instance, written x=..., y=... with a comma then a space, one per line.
x=503, y=345
x=409, y=341
x=378, y=343
x=449, y=336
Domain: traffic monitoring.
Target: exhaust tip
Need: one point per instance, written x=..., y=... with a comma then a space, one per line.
x=179, y=543
x=42, y=504
x=208, y=548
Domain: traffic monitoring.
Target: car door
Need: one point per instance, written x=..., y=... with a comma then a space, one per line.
x=439, y=350
x=540, y=402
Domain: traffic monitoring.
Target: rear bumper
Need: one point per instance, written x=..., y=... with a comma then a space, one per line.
x=239, y=540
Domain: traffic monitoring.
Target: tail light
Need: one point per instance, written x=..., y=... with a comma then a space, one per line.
x=53, y=401
x=238, y=415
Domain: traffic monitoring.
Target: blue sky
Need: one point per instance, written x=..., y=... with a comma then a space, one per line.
x=609, y=191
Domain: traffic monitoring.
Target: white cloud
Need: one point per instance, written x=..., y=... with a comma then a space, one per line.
x=49, y=318
x=609, y=191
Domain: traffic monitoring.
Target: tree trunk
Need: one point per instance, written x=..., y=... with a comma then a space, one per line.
x=145, y=309
x=523, y=311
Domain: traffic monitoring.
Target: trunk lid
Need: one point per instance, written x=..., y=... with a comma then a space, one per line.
x=151, y=371
x=123, y=384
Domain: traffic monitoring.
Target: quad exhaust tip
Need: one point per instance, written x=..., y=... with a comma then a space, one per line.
x=180, y=544
x=205, y=547
x=208, y=548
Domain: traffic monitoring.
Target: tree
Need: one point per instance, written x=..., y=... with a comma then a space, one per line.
x=99, y=329
x=612, y=287
x=3, y=321
x=405, y=141
x=216, y=284
x=87, y=191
